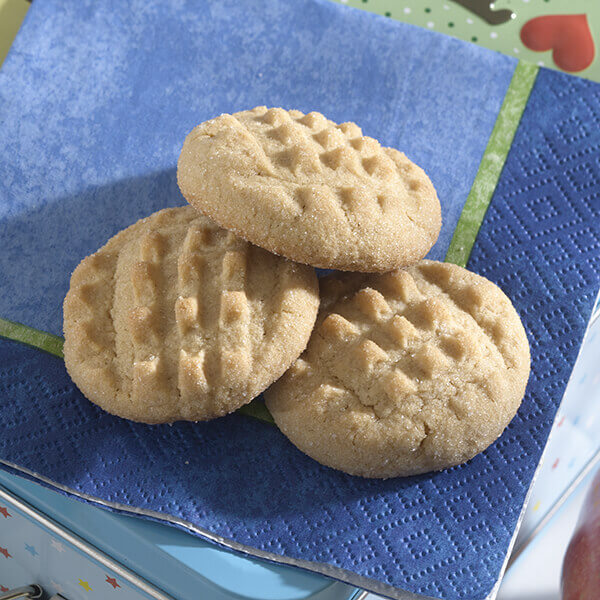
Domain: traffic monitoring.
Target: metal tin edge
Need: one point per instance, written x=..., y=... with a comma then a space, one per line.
x=329, y=571
x=83, y=546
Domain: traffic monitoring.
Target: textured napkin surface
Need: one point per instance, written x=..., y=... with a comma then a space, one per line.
x=95, y=101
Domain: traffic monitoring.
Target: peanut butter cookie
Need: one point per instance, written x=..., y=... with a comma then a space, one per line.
x=175, y=318
x=303, y=187
x=406, y=372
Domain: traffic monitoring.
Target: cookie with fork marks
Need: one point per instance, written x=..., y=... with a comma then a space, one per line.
x=406, y=372
x=178, y=319
x=304, y=187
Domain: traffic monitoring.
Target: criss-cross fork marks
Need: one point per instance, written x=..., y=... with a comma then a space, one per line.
x=217, y=347
x=470, y=299
x=175, y=318
x=149, y=377
x=191, y=266
x=234, y=315
x=93, y=335
x=221, y=348
x=423, y=356
x=316, y=148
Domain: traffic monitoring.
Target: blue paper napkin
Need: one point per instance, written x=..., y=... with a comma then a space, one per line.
x=95, y=101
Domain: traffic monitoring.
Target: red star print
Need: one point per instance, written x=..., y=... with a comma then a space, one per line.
x=6, y=553
x=112, y=582
x=4, y=511
x=3, y=589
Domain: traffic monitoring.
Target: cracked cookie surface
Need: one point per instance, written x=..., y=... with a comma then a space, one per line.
x=301, y=186
x=178, y=319
x=406, y=372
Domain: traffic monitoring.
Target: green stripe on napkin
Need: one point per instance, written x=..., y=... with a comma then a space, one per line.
x=53, y=344
x=258, y=410
x=491, y=164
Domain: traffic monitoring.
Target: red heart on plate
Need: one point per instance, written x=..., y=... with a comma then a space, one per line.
x=568, y=36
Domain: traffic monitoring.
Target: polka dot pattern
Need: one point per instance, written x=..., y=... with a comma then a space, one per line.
x=453, y=19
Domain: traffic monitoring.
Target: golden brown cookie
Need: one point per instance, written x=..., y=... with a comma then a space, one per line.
x=308, y=189
x=175, y=318
x=406, y=372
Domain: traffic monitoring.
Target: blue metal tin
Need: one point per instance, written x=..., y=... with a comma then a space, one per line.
x=85, y=552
